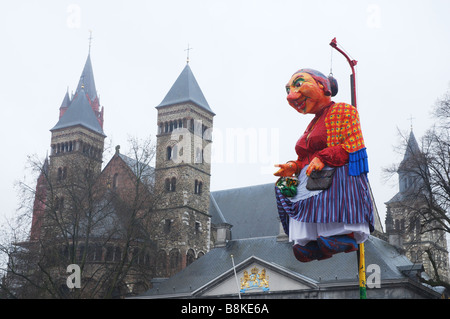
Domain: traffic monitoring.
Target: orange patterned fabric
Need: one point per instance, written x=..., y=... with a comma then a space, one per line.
x=343, y=127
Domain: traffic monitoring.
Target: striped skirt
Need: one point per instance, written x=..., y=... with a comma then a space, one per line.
x=343, y=208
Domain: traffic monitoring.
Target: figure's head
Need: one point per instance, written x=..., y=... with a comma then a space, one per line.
x=309, y=90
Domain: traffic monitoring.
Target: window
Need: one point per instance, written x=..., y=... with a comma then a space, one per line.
x=167, y=225
x=117, y=254
x=147, y=259
x=98, y=253
x=95, y=253
x=136, y=256
x=173, y=184
x=197, y=227
x=198, y=187
x=170, y=184
x=115, y=180
x=190, y=257
x=109, y=253
x=167, y=185
x=198, y=155
x=59, y=203
x=62, y=173
x=169, y=153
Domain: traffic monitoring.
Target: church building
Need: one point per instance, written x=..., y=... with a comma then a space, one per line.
x=221, y=244
x=407, y=227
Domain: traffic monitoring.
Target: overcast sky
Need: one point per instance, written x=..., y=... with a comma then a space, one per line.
x=243, y=53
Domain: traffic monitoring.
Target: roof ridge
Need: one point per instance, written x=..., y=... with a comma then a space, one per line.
x=242, y=187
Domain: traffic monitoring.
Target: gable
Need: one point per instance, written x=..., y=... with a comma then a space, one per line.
x=255, y=275
x=127, y=171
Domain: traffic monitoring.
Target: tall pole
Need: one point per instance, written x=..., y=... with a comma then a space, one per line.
x=235, y=275
x=360, y=253
x=362, y=271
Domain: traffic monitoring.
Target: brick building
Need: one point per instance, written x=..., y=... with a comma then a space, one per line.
x=170, y=201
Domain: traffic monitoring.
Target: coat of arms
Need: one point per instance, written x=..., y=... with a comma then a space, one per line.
x=255, y=280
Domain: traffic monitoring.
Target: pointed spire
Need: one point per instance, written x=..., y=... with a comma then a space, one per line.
x=412, y=147
x=80, y=113
x=87, y=80
x=66, y=101
x=186, y=89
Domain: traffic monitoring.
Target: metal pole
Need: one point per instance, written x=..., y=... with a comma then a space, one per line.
x=235, y=275
x=352, y=63
x=360, y=252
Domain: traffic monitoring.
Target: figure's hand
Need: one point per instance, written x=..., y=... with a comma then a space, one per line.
x=315, y=165
x=288, y=169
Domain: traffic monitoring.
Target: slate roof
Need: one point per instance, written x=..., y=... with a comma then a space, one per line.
x=251, y=210
x=87, y=80
x=79, y=113
x=241, y=207
x=186, y=89
x=66, y=101
x=253, y=213
x=146, y=172
x=341, y=267
x=412, y=148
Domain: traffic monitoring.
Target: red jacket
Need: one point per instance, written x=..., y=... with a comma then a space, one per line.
x=334, y=136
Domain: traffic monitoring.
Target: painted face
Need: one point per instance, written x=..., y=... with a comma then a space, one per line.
x=305, y=94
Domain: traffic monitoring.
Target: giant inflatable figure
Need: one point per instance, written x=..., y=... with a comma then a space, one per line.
x=323, y=196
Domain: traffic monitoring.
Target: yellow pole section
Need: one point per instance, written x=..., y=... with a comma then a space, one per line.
x=362, y=272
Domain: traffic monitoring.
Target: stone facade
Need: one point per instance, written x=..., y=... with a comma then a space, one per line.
x=407, y=230
x=182, y=178
x=74, y=145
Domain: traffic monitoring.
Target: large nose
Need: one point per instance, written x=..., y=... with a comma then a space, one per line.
x=292, y=96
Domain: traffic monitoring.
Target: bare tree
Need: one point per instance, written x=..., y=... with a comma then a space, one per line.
x=85, y=221
x=425, y=170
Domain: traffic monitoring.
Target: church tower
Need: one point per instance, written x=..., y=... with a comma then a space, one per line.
x=77, y=142
x=182, y=173
x=78, y=138
x=405, y=218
